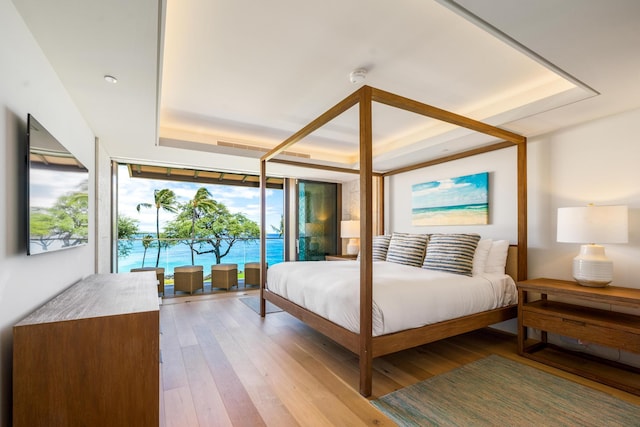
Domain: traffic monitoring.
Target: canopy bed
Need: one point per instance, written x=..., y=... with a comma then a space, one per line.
x=366, y=339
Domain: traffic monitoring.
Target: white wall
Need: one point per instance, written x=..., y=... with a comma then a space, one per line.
x=503, y=208
x=30, y=85
x=596, y=162
x=103, y=210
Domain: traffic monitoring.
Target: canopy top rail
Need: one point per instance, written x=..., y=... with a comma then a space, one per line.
x=367, y=94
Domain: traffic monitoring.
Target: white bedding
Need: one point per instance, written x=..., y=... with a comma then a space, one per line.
x=404, y=297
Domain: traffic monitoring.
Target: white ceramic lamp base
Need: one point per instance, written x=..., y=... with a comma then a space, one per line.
x=592, y=268
x=353, y=247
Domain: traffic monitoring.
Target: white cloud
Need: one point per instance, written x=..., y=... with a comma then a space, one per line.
x=47, y=186
x=132, y=191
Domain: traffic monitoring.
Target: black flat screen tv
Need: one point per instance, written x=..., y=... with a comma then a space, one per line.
x=58, y=194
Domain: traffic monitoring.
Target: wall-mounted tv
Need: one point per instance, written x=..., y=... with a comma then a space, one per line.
x=58, y=194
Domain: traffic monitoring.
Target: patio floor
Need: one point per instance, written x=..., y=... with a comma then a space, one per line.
x=169, y=291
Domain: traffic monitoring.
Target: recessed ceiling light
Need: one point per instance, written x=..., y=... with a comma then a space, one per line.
x=110, y=79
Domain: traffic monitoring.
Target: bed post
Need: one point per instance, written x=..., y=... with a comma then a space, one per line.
x=263, y=234
x=366, y=243
x=522, y=211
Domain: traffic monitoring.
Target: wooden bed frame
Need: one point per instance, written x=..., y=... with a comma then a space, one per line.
x=363, y=343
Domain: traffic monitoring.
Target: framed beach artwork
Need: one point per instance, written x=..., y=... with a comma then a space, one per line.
x=463, y=200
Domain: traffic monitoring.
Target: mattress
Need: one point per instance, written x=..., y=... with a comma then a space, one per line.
x=404, y=297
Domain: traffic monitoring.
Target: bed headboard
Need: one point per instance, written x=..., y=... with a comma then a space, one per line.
x=511, y=268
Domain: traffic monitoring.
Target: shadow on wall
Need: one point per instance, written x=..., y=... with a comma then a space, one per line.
x=15, y=169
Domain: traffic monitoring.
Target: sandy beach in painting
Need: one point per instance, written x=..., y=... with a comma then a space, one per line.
x=456, y=215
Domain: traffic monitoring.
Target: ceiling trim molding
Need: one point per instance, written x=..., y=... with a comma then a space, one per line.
x=476, y=20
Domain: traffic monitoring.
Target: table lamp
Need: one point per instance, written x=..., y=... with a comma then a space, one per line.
x=351, y=230
x=592, y=225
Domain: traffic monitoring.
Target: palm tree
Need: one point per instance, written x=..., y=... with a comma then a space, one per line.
x=198, y=206
x=280, y=229
x=164, y=199
x=146, y=243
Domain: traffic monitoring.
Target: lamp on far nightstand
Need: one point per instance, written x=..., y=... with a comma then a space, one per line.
x=351, y=230
x=593, y=224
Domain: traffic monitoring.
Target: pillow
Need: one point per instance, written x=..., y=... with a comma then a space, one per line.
x=480, y=257
x=497, y=259
x=407, y=249
x=380, y=248
x=452, y=253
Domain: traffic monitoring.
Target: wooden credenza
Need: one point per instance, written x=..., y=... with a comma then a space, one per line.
x=613, y=329
x=90, y=356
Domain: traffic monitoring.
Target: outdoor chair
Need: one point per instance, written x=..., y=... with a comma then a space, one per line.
x=188, y=278
x=224, y=276
x=252, y=274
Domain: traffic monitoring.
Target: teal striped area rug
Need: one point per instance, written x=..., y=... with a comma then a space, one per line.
x=495, y=391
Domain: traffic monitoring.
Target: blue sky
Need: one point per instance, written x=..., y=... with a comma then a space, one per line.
x=132, y=191
x=463, y=190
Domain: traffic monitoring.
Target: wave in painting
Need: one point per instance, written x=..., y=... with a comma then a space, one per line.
x=449, y=215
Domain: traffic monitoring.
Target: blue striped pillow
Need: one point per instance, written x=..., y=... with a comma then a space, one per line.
x=407, y=249
x=380, y=248
x=452, y=253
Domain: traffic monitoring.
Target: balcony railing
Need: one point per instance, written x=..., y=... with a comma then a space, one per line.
x=173, y=254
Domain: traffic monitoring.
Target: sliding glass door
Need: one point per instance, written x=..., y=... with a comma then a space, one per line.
x=317, y=220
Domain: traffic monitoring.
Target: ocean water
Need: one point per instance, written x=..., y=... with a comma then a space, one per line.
x=479, y=208
x=451, y=215
x=179, y=255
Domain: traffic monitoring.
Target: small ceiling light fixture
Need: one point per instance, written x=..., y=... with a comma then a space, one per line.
x=357, y=76
x=110, y=79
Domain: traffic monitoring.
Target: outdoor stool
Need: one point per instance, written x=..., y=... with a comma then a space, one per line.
x=188, y=278
x=159, y=275
x=252, y=274
x=224, y=276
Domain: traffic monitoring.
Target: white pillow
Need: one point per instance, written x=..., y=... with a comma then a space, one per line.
x=497, y=259
x=481, y=255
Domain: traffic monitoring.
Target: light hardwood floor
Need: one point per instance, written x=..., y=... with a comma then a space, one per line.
x=222, y=365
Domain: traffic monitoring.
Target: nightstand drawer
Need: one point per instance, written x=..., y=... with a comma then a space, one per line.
x=582, y=329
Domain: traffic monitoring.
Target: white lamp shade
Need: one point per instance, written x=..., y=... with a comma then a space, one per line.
x=593, y=224
x=350, y=229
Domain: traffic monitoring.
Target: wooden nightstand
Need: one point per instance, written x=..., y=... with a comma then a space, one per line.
x=340, y=257
x=591, y=325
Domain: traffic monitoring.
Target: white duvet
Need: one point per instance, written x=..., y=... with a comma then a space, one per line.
x=403, y=297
